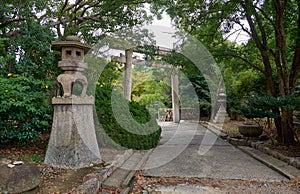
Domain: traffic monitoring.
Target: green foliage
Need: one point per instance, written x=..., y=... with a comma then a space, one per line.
x=247, y=82
x=150, y=92
x=241, y=82
x=202, y=92
x=149, y=86
x=269, y=37
x=145, y=138
x=25, y=111
x=89, y=18
x=35, y=58
x=26, y=65
x=25, y=40
x=141, y=137
x=262, y=106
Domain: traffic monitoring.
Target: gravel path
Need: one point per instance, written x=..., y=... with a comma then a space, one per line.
x=194, y=185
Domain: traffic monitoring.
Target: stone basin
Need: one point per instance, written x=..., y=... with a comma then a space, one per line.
x=250, y=130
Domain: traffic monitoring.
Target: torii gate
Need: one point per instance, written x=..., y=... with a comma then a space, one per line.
x=127, y=84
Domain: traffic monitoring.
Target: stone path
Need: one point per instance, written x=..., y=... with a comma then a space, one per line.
x=178, y=156
x=190, y=150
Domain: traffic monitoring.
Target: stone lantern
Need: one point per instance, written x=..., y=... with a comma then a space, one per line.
x=222, y=114
x=73, y=142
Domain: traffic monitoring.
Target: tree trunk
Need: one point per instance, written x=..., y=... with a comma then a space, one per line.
x=285, y=129
x=277, y=122
x=288, y=135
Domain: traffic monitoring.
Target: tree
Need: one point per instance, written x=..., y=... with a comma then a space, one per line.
x=26, y=61
x=26, y=41
x=93, y=19
x=273, y=49
x=150, y=86
x=26, y=66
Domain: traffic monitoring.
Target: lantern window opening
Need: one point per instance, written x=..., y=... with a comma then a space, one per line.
x=78, y=53
x=69, y=52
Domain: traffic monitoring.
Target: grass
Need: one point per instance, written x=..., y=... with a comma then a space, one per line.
x=32, y=158
x=231, y=128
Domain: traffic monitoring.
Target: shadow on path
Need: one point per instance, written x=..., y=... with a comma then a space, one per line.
x=177, y=156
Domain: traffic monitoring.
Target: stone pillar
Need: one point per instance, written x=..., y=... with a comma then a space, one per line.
x=73, y=142
x=128, y=74
x=175, y=98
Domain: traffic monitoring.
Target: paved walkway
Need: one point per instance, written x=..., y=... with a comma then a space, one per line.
x=184, y=152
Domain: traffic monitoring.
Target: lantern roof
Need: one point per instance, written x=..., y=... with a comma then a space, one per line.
x=71, y=41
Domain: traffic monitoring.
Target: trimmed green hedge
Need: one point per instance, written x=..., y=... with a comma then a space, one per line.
x=143, y=136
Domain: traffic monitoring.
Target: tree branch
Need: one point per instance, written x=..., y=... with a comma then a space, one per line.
x=7, y=22
x=65, y=5
x=295, y=70
x=88, y=7
x=253, y=34
x=255, y=66
x=265, y=15
x=243, y=27
x=261, y=28
x=282, y=65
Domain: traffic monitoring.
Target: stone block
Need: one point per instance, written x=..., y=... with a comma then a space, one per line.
x=98, y=176
x=19, y=179
x=91, y=186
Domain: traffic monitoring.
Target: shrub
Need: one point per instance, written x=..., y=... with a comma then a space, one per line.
x=145, y=137
x=25, y=111
x=261, y=106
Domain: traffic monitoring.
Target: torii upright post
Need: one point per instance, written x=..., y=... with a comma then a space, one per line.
x=175, y=98
x=128, y=74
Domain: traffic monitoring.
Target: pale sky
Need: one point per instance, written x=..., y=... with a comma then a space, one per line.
x=163, y=27
x=163, y=31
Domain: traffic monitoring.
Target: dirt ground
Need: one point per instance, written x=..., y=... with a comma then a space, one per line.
x=291, y=151
x=54, y=180
x=217, y=186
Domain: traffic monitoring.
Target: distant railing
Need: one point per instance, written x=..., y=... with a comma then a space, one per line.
x=166, y=114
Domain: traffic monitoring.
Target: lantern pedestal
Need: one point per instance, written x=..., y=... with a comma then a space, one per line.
x=73, y=142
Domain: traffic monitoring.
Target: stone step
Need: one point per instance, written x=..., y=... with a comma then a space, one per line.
x=281, y=167
x=122, y=176
x=116, y=179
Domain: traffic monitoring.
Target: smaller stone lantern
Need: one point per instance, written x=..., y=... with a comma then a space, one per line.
x=73, y=142
x=221, y=115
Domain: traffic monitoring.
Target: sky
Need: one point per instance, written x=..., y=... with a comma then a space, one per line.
x=164, y=32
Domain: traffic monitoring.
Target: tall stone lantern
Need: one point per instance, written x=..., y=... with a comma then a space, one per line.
x=73, y=142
